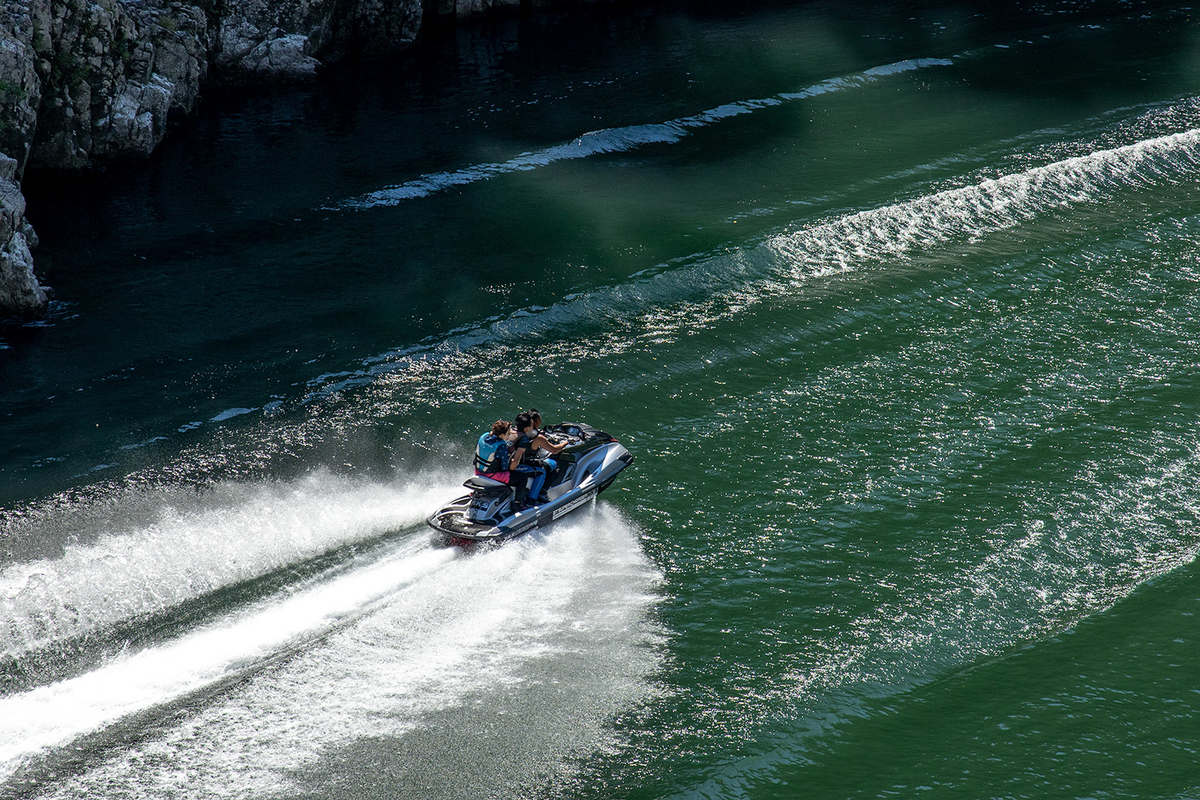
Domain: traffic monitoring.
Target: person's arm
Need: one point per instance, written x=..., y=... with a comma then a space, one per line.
x=514, y=460
x=545, y=443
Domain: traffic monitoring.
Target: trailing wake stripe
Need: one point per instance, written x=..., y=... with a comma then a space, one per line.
x=620, y=140
x=845, y=243
x=992, y=205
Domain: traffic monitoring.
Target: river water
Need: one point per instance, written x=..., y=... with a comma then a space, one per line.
x=897, y=306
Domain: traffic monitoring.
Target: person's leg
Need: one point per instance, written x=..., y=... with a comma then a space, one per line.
x=537, y=479
x=549, y=467
x=520, y=482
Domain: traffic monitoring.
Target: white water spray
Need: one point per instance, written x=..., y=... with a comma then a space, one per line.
x=51, y=716
x=193, y=547
x=417, y=658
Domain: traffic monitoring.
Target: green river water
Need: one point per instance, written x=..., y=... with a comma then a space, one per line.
x=897, y=307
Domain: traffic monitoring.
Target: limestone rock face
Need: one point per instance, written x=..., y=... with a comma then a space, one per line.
x=283, y=40
x=136, y=120
x=84, y=82
x=20, y=86
x=90, y=82
x=87, y=82
x=20, y=294
x=247, y=53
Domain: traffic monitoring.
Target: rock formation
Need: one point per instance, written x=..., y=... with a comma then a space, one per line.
x=20, y=294
x=87, y=82
x=83, y=83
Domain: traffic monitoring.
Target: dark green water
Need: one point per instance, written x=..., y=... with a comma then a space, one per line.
x=898, y=307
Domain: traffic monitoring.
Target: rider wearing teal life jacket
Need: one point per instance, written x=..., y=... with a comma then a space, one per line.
x=491, y=454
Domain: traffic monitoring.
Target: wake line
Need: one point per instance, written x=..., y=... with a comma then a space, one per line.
x=988, y=207
x=558, y=624
x=621, y=140
x=54, y=715
x=724, y=285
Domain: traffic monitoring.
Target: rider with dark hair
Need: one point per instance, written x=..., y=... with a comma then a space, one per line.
x=528, y=453
x=531, y=474
x=541, y=441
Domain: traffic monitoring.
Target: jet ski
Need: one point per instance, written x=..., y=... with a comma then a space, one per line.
x=586, y=467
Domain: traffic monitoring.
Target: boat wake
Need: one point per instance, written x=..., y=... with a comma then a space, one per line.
x=378, y=647
x=151, y=552
x=701, y=293
x=622, y=140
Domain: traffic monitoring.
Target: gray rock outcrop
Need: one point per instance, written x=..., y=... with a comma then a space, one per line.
x=278, y=56
x=107, y=76
x=286, y=40
x=84, y=82
x=90, y=82
x=20, y=294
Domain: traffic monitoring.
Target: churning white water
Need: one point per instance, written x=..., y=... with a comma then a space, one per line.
x=367, y=649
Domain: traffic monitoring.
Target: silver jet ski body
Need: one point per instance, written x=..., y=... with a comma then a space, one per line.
x=586, y=466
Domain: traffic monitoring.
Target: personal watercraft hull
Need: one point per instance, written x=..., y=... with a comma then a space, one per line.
x=587, y=467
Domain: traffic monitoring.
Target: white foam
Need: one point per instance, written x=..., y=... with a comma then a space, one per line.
x=701, y=293
x=193, y=546
x=556, y=625
x=901, y=229
x=53, y=715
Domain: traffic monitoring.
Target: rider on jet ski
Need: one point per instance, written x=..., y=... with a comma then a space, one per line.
x=492, y=454
x=527, y=459
x=540, y=441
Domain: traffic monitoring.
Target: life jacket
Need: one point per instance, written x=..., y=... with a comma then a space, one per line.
x=536, y=453
x=491, y=455
x=533, y=457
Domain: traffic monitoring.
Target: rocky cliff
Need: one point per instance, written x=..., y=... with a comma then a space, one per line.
x=20, y=294
x=91, y=82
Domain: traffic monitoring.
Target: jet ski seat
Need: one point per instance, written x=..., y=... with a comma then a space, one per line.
x=486, y=485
